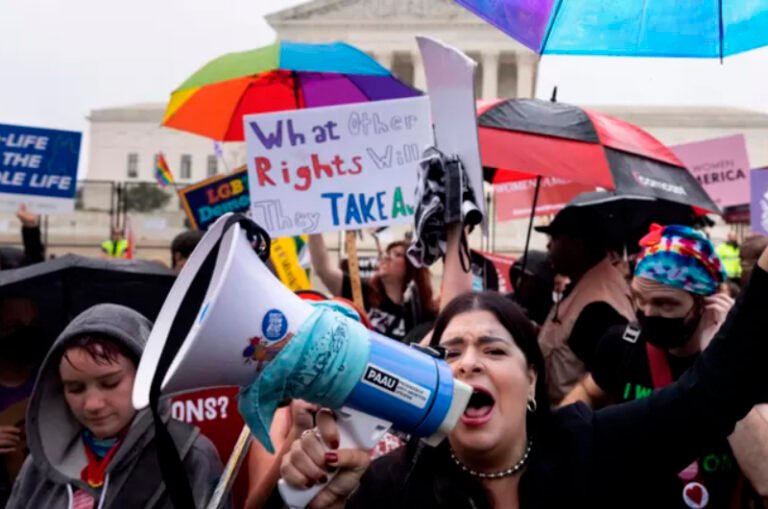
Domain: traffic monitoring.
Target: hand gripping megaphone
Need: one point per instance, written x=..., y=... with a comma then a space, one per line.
x=228, y=321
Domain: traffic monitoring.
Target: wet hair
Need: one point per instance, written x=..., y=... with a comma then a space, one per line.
x=102, y=349
x=421, y=279
x=513, y=319
x=185, y=242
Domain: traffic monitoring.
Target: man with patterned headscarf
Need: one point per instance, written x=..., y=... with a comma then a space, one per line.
x=678, y=312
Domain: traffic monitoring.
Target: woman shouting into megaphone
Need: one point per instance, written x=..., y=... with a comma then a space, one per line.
x=509, y=450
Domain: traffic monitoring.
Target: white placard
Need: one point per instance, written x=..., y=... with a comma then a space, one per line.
x=337, y=168
x=451, y=85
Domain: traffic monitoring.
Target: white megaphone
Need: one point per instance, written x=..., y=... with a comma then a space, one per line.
x=227, y=317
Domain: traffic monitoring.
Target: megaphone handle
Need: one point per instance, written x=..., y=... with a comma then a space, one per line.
x=356, y=431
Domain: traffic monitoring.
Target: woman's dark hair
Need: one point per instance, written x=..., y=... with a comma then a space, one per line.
x=512, y=318
x=420, y=277
x=102, y=349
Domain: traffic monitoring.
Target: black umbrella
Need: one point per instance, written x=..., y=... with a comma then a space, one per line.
x=628, y=218
x=64, y=287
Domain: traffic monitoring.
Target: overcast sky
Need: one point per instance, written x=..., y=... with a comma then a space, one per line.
x=62, y=58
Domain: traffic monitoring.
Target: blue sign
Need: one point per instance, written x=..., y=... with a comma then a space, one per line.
x=211, y=198
x=40, y=165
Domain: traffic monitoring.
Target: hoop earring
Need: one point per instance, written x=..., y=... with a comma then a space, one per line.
x=532, y=405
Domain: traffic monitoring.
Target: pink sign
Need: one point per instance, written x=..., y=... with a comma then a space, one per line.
x=515, y=199
x=721, y=166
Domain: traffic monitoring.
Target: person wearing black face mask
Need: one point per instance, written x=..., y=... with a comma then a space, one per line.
x=678, y=312
x=21, y=349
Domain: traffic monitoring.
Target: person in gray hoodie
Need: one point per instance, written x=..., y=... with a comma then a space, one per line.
x=88, y=447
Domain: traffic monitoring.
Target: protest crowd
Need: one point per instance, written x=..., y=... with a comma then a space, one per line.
x=626, y=366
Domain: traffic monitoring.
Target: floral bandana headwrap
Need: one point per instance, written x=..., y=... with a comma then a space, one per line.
x=680, y=257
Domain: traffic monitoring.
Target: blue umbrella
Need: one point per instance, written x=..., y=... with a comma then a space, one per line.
x=630, y=28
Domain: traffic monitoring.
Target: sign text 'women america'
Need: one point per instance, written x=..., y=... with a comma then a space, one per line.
x=337, y=168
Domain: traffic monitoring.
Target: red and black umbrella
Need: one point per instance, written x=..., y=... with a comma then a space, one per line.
x=528, y=138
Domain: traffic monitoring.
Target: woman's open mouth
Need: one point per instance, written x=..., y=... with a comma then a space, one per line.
x=479, y=408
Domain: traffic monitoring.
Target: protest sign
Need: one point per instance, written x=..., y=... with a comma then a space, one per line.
x=721, y=166
x=38, y=167
x=515, y=199
x=451, y=83
x=211, y=198
x=215, y=412
x=337, y=168
x=759, y=202
x=285, y=258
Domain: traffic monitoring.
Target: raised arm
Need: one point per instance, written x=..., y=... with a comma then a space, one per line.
x=749, y=442
x=331, y=276
x=668, y=430
x=455, y=280
x=34, y=251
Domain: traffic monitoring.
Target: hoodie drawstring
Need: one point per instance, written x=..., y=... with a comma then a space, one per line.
x=103, y=495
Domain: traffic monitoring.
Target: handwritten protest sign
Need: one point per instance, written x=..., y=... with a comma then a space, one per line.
x=209, y=199
x=38, y=167
x=721, y=166
x=515, y=199
x=759, y=203
x=337, y=168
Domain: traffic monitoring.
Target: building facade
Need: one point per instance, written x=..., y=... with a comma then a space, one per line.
x=125, y=140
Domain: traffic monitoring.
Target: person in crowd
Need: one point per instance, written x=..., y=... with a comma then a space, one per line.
x=597, y=298
x=750, y=251
x=22, y=348
x=730, y=255
x=116, y=245
x=88, y=446
x=679, y=310
x=33, y=252
x=397, y=298
x=510, y=450
x=533, y=286
x=182, y=246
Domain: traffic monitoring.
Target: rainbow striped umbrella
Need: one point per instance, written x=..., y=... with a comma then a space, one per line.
x=282, y=76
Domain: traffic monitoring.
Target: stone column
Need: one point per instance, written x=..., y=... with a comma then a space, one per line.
x=490, y=75
x=385, y=58
x=419, y=79
x=526, y=74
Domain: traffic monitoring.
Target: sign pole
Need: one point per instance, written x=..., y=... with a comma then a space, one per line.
x=231, y=469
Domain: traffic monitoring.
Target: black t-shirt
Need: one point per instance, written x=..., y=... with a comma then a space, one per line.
x=621, y=369
x=591, y=325
x=390, y=319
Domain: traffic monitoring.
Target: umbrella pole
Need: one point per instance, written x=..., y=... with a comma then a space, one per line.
x=296, y=94
x=494, y=224
x=530, y=222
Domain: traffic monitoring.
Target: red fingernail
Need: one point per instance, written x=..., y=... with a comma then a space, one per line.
x=334, y=444
x=310, y=484
x=331, y=457
x=323, y=480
